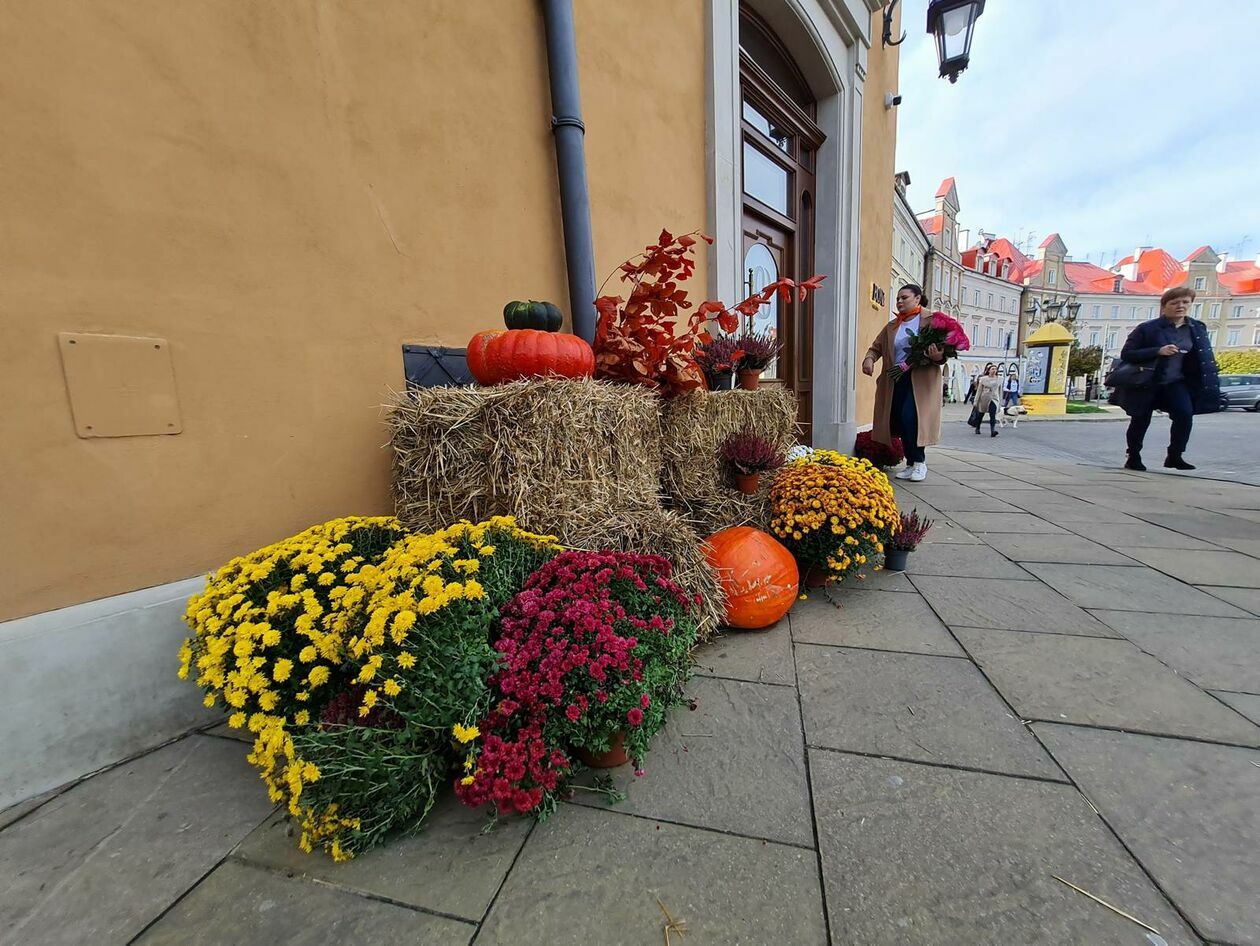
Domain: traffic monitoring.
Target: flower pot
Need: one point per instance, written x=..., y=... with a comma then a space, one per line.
x=748, y=378
x=615, y=756
x=895, y=559
x=747, y=482
x=816, y=577
x=720, y=382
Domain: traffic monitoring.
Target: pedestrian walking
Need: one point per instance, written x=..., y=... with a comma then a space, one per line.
x=988, y=390
x=1010, y=391
x=971, y=390
x=910, y=408
x=1167, y=364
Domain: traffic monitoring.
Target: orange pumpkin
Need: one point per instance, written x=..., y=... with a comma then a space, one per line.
x=756, y=571
x=476, y=356
x=529, y=353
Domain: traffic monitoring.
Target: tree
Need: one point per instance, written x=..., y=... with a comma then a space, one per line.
x=1084, y=361
x=1239, y=362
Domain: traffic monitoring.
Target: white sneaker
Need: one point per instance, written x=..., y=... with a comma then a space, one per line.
x=906, y=473
x=918, y=473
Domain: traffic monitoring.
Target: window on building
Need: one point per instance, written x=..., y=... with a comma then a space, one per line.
x=990, y=300
x=1150, y=312
x=1200, y=283
x=1111, y=340
x=1255, y=337
x=1093, y=338
x=1052, y=277
x=1197, y=310
x=1236, y=312
x=1215, y=311
x=988, y=336
x=1133, y=312
x=977, y=299
x=1231, y=340
x=1115, y=312
x=1098, y=312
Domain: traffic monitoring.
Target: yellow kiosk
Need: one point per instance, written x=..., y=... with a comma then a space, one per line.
x=1046, y=369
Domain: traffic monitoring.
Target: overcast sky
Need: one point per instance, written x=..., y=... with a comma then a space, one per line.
x=1116, y=123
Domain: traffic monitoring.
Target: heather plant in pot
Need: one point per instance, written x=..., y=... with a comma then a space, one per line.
x=718, y=359
x=748, y=455
x=905, y=540
x=759, y=348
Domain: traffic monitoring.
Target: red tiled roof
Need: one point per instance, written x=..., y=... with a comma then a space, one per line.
x=1196, y=253
x=1160, y=269
x=944, y=189
x=1241, y=278
x=1005, y=251
x=932, y=225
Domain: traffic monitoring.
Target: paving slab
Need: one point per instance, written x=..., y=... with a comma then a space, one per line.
x=1123, y=588
x=980, y=502
x=102, y=860
x=1102, y=683
x=1211, y=526
x=243, y=904
x=720, y=765
x=23, y=808
x=963, y=561
x=762, y=656
x=1246, y=703
x=949, y=533
x=1009, y=605
x=915, y=854
x=594, y=876
x=882, y=620
x=450, y=866
x=224, y=731
x=1215, y=653
x=930, y=709
x=1246, y=598
x=1201, y=567
x=1054, y=548
x=882, y=580
x=1246, y=546
x=1189, y=812
x=1118, y=535
x=1021, y=522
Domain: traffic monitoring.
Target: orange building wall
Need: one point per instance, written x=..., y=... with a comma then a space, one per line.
x=879, y=146
x=287, y=192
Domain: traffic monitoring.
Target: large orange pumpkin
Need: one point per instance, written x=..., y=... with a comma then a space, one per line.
x=496, y=357
x=756, y=571
x=476, y=356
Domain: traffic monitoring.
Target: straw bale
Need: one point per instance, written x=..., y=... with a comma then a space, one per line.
x=577, y=459
x=693, y=427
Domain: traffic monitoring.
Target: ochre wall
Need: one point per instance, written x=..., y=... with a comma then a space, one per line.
x=879, y=145
x=287, y=192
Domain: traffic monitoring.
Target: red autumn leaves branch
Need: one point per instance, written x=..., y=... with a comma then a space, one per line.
x=635, y=340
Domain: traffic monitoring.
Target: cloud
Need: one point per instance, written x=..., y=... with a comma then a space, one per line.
x=1115, y=124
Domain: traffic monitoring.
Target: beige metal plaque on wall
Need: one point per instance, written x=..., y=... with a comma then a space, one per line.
x=119, y=385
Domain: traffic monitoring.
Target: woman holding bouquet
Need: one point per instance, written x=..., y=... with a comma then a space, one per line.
x=908, y=390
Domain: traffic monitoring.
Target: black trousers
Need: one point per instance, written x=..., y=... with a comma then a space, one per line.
x=1175, y=400
x=904, y=422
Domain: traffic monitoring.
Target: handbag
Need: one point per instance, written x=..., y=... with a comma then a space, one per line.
x=1124, y=374
x=975, y=418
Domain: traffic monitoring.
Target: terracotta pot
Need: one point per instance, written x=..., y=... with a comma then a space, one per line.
x=615, y=756
x=747, y=482
x=748, y=378
x=815, y=577
x=895, y=559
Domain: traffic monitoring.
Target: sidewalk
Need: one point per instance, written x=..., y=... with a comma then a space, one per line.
x=960, y=412
x=1056, y=688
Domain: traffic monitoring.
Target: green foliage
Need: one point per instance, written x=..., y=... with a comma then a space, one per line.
x=1084, y=361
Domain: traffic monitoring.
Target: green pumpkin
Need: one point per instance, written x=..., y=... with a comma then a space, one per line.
x=541, y=316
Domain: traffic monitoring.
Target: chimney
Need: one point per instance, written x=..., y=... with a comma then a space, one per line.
x=963, y=239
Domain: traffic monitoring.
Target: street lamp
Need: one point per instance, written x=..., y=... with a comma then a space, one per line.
x=952, y=22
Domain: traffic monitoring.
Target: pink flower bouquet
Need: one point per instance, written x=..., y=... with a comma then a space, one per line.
x=941, y=330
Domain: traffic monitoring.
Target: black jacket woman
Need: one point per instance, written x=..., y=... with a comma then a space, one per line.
x=1185, y=381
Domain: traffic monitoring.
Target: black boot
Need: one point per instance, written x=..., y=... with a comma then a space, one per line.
x=1134, y=462
x=1174, y=462
x=993, y=431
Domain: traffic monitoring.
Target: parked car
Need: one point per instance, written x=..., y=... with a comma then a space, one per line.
x=1241, y=390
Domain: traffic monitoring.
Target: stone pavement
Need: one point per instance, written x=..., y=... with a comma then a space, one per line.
x=1056, y=688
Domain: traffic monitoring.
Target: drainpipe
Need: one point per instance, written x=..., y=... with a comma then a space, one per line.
x=569, y=132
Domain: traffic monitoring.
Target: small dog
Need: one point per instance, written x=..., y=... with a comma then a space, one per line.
x=1003, y=416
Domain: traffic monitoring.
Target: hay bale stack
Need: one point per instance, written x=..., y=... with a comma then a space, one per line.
x=693, y=427
x=577, y=459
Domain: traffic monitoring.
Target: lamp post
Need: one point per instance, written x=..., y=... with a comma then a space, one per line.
x=953, y=22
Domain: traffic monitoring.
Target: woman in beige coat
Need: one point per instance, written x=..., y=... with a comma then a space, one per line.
x=911, y=408
x=988, y=391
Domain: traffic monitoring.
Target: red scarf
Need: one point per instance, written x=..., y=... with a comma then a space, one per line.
x=907, y=316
